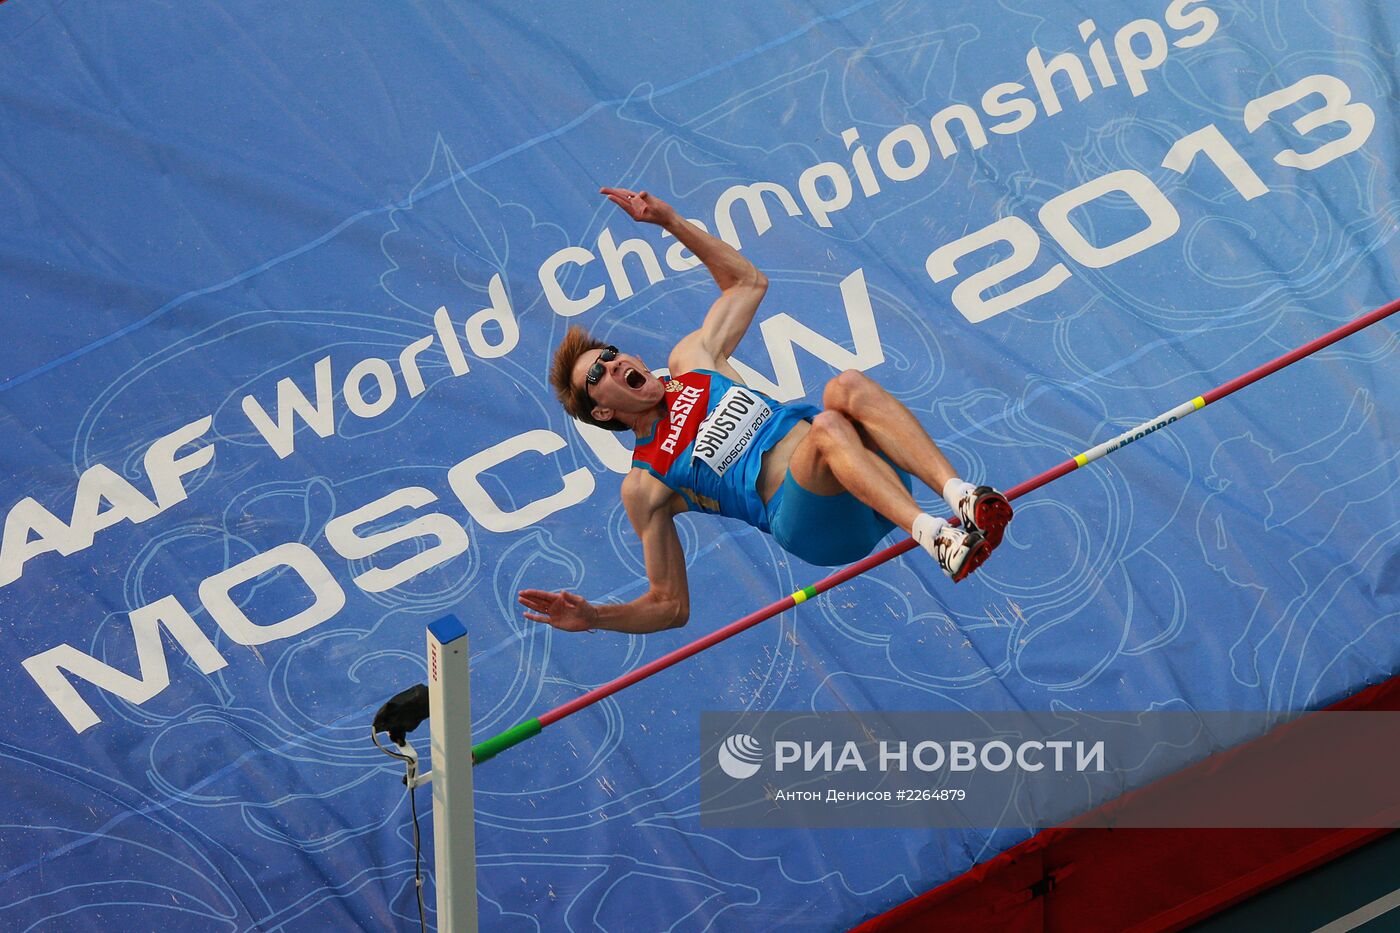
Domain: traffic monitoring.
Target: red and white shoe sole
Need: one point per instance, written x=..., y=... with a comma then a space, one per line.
x=977, y=555
x=991, y=513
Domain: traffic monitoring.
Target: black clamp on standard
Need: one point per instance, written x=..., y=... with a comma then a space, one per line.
x=403, y=713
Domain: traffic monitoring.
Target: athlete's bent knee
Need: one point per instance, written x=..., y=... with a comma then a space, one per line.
x=844, y=392
x=830, y=428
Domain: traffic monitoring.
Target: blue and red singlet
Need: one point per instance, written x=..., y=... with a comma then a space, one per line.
x=709, y=445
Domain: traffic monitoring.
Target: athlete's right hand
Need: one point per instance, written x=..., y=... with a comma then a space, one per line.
x=566, y=611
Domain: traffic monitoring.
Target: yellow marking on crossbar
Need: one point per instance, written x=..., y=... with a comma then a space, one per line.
x=1199, y=402
x=1080, y=459
x=798, y=598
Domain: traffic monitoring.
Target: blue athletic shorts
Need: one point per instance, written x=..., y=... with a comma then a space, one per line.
x=826, y=530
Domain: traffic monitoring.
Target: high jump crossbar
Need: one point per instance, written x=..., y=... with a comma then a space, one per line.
x=531, y=727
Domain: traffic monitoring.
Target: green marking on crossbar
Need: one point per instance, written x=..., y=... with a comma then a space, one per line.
x=499, y=743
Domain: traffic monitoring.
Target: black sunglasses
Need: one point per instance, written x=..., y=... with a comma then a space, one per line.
x=595, y=372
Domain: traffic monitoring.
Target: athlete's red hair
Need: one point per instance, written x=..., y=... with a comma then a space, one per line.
x=576, y=401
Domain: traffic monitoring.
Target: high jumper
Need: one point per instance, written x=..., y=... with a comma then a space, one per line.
x=827, y=483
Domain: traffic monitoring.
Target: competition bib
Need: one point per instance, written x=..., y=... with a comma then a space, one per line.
x=727, y=431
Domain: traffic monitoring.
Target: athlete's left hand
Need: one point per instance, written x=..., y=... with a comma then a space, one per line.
x=566, y=611
x=641, y=206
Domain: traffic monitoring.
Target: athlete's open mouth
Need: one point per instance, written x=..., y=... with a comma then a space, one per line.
x=635, y=380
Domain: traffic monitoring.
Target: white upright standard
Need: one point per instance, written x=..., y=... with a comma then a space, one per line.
x=450, y=717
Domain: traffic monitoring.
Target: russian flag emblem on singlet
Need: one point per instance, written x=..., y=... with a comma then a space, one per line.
x=687, y=401
x=715, y=432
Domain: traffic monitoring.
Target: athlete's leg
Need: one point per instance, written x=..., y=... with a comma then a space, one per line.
x=833, y=458
x=893, y=428
x=896, y=433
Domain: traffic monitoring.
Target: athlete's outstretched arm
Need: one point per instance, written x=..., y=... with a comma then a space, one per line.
x=666, y=604
x=741, y=285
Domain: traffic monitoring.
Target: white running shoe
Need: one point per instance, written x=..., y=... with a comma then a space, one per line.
x=984, y=509
x=959, y=552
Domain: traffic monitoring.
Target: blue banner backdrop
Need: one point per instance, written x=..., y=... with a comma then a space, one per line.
x=276, y=278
